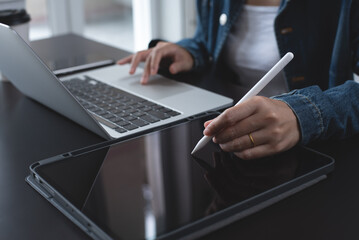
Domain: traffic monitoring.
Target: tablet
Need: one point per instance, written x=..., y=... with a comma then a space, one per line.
x=150, y=187
x=77, y=63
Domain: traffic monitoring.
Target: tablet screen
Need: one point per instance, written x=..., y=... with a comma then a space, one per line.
x=76, y=63
x=149, y=186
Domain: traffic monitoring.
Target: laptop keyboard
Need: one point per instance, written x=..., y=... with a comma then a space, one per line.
x=117, y=109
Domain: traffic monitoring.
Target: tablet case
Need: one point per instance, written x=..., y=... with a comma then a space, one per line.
x=195, y=229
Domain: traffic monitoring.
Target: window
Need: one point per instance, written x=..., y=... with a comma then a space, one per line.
x=126, y=24
x=39, y=24
x=110, y=22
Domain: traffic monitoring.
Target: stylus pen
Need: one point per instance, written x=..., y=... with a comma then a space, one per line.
x=254, y=91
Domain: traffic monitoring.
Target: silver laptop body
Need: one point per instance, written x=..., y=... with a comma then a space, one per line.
x=31, y=76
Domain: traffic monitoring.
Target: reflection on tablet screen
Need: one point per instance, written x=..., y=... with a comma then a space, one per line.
x=150, y=186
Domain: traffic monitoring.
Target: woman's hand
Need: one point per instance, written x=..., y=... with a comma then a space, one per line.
x=179, y=59
x=255, y=128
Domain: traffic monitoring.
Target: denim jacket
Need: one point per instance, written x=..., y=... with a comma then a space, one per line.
x=324, y=37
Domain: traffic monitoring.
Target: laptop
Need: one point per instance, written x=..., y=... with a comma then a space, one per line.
x=108, y=101
x=150, y=187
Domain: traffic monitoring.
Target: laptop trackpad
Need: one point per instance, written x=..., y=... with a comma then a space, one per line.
x=158, y=87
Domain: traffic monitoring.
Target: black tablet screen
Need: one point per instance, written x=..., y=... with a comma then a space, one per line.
x=150, y=186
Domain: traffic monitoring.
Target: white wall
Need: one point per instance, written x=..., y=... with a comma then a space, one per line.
x=12, y=4
x=66, y=16
x=169, y=20
x=177, y=19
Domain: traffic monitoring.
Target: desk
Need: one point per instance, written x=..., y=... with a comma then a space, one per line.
x=30, y=132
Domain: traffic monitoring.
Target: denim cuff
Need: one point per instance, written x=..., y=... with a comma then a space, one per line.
x=308, y=114
x=198, y=55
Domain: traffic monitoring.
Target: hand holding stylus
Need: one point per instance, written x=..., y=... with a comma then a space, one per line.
x=244, y=128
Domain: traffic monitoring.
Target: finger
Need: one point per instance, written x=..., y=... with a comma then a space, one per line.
x=137, y=58
x=180, y=66
x=146, y=71
x=239, y=129
x=256, y=152
x=207, y=123
x=176, y=67
x=245, y=142
x=216, y=124
x=125, y=60
x=228, y=118
x=156, y=57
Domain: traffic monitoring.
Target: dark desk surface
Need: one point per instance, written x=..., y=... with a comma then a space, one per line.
x=30, y=132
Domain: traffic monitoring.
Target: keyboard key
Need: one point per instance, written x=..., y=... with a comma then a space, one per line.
x=139, y=122
x=158, y=114
x=97, y=110
x=137, y=106
x=102, y=113
x=117, y=104
x=130, y=118
x=149, y=119
x=146, y=109
x=130, y=127
x=125, y=100
x=113, y=118
x=105, y=122
x=131, y=103
x=158, y=107
x=122, y=123
x=123, y=114
x=132, y=110
x=120, y=130
x=108, y=108
x=148, y=103
x=116, y=111
x=164, y=110
x=102, y=104
x=108, y=115
x=123, y=108
x=173, y=113
x=92, y=108
x=138, y=114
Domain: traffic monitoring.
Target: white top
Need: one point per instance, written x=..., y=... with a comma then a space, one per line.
x=251, y=49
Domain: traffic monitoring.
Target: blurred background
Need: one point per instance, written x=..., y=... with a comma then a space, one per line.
x=127, y=24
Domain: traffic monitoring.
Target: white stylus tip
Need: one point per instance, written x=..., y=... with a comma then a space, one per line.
x=201, y=143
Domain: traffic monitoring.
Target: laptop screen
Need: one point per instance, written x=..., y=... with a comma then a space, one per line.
x=151, y=186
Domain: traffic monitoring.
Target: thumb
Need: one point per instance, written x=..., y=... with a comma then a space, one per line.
x=177, y=67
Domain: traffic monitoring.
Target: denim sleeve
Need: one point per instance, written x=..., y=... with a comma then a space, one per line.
x=198, y=51
x=354, y=31
x=196, y=45
x=333, y=113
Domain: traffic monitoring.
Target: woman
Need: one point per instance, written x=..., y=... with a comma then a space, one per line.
x=324, y=37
